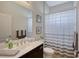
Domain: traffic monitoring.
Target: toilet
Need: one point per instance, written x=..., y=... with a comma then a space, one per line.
x=48, y=52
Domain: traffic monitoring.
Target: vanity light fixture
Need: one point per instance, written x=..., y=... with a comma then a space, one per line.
x=26, y=4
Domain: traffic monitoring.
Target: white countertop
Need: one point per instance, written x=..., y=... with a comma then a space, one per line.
x=25, y=49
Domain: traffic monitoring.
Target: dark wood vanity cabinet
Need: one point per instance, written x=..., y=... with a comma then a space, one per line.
x=35, y=53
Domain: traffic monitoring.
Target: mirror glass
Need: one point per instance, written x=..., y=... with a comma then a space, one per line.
x=13, y=17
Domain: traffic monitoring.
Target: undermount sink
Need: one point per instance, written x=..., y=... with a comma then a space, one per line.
x=6, y=51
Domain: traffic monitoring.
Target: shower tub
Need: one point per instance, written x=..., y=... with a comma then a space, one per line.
x=48, y=52
x=57, y=49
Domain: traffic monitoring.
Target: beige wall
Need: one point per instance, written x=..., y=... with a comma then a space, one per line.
x=37, y=8
x=77, y=23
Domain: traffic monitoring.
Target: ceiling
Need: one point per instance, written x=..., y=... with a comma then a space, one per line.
x=54, y=3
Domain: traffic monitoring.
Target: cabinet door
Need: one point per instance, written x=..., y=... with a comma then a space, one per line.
x=35, y=53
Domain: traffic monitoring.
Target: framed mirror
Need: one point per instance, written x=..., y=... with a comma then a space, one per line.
x=38, y=30
x=38, y=18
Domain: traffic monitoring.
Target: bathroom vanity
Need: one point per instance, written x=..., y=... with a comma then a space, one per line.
x=35, y=53
x=32, y=50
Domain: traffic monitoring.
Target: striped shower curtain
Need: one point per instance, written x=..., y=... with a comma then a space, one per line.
x=59, y=31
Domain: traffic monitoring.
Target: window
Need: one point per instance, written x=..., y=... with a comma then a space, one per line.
x=29, y=29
